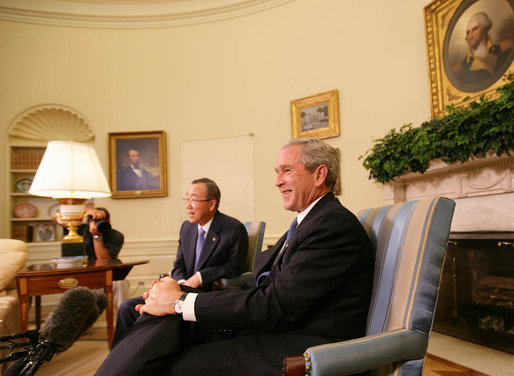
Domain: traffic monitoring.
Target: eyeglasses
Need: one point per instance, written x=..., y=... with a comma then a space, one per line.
x=192, y=201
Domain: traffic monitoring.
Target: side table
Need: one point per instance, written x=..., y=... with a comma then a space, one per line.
x=44, y=279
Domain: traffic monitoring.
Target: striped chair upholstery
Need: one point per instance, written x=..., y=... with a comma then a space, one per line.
x=410, y=243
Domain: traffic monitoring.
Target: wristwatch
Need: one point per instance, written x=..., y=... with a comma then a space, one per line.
x=179, y=304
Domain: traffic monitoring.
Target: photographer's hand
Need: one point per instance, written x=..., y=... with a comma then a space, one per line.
x=95, y=213
x=93, y=229
x=101, y=251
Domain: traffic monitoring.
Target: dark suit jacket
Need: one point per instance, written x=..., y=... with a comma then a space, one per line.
x=318, y=292
x=223, y=255
x=128, y=180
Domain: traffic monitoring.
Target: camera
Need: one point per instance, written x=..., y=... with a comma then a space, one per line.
x=102, y=225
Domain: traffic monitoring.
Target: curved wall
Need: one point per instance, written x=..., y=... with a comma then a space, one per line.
x=227, y=78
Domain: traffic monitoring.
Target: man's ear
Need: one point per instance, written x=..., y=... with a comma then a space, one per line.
x=212, y=205
x=320, y=175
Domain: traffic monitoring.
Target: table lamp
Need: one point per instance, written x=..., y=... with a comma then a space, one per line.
x=70, y=172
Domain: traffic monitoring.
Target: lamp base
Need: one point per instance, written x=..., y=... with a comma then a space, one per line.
x=72, y=236
x=71, y=214
x=72, y=249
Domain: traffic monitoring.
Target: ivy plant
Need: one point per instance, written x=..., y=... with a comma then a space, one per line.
x=483, y=125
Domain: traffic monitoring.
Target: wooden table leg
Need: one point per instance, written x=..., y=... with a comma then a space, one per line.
x=110, y=310
x=24, y=313
x=38, y=312
x=21, y=283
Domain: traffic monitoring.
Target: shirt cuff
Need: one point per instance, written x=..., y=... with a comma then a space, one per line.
x=199, y=277
x=181, y=281
x=188, y=312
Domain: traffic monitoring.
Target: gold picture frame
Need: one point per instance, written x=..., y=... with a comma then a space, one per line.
x=316, y=115
x=137, y=164
x=456, y=76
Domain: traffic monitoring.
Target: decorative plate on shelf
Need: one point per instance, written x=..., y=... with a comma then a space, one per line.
x=23, y=185
x=25, y=210
x=53, y=209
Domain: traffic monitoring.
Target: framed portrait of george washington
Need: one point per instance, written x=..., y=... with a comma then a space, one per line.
x=316, y=115
x=137, y=164
x=470, y=48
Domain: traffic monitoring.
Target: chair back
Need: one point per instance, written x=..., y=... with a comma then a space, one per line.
x=410, y=241
x=255, y=239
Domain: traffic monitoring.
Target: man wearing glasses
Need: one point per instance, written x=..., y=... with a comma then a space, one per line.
x=212, y=246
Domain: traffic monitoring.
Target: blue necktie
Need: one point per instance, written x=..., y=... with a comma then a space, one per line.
x=292, y=229
x=199, y=246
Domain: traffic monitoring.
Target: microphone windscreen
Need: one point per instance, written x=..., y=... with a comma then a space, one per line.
x=69, y=317
x=101, y=304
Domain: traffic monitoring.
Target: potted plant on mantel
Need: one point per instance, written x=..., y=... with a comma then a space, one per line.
x=483, y=128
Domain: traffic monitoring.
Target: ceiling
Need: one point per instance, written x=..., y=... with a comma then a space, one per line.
x=128, y=13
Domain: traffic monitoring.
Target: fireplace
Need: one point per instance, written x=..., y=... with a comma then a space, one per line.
x=476, y=296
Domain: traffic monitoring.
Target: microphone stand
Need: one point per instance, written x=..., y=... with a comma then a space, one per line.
x=33, y=339
x=28, y=346
x=44, y=352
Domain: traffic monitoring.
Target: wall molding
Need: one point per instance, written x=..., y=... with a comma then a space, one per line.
x=129, y=14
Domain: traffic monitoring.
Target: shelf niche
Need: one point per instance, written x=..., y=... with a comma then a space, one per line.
x=28, y=136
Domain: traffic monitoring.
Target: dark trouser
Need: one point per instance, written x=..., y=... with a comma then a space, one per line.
x=137, y=354
x=127, y=314
x=167, y=346
x=126, y=317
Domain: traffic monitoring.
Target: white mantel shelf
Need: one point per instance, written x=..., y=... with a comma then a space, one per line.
x=483, y=189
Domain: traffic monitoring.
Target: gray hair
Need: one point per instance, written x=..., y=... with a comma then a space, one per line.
x=316, y=153
x=483, y=20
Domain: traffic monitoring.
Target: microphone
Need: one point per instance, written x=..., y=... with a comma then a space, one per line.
x=68, y=318
x=101, y=304
x=73, y=312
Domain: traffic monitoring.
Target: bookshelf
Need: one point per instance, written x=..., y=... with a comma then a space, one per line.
x=29, y=215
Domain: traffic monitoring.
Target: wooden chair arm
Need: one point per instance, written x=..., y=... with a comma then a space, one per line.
x=293, y=366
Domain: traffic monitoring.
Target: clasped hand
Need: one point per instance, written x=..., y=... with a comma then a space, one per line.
x=160, y=299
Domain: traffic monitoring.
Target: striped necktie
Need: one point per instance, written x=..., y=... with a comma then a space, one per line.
x=292, y=229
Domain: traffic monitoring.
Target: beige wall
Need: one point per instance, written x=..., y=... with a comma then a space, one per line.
x=223, y=79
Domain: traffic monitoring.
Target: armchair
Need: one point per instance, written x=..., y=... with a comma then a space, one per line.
x=255, y=239
x=410, y=243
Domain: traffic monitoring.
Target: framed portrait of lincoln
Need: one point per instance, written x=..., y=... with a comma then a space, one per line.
x=137, y=164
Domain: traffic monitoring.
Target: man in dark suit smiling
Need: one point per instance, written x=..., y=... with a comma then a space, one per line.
x=313, y=287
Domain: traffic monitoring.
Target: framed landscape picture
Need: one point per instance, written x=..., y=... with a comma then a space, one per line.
x=316, y=116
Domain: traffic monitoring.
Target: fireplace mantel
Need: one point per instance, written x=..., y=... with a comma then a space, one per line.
x=483, y=189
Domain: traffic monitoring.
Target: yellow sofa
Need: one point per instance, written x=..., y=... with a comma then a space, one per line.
x=13, y=254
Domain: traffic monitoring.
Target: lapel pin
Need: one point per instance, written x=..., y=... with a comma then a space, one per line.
x=213, y=239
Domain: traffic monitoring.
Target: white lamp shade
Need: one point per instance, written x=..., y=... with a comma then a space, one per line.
x=70, y=170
